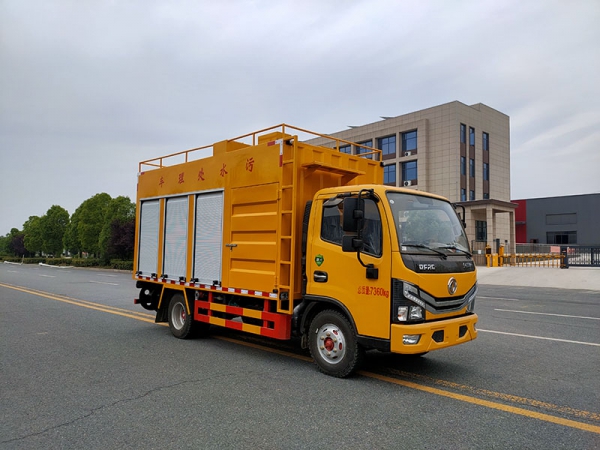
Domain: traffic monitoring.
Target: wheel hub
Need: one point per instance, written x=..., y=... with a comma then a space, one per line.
x=332, y=344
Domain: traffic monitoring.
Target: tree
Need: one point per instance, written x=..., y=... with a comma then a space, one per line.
x=91, y=221
x=54, y=225
x=122, y=211
x=4, y=244
x=122, y=238
x=71, y=242
x=16, y=245
x=33, y=235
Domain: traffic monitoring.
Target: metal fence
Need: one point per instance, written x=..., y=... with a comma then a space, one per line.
x=541, y=255
x=533, y=260
x=581, y=256
x=537, y=248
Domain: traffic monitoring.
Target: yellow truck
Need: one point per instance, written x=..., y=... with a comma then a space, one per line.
x=274, y=236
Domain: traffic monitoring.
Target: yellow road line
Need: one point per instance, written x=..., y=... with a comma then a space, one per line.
x=83, y=303
x=499, y=395
x=487, y=403
x=409, y=384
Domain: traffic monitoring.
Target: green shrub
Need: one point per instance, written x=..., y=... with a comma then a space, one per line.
x=118, y=264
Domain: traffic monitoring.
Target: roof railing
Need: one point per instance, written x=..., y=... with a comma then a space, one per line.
x=191, y=154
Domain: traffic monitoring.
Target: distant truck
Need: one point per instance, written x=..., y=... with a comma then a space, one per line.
x=276, y=237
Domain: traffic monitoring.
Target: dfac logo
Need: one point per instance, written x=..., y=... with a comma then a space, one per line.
x=452, y=286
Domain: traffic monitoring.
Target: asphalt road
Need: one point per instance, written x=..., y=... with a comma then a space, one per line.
x=82, y=367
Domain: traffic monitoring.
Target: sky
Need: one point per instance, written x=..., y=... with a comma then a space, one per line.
x=90, y=88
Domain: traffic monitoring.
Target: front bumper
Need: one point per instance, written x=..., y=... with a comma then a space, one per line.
x=434, y=335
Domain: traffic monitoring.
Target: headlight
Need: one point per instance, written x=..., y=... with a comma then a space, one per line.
x=416, y=313
x=407, y=305
x=406, y=313
x=402, y=313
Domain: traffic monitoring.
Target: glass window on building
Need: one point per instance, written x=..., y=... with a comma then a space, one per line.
x=463, y=133
x=486, y=141
x=463, y=165
x=387, y=145
x=486, y=171
x=561, y=237
x=409, y=141
x=346, y=149
x=472, y=168
x=463, y=195
x=409, y=171
x=471, y=195
x=389, y=174
x=360, y=150
x=472, y=136
x=481, y=231
x=486, y=196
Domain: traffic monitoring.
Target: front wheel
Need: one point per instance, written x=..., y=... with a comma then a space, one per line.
x=333, y=344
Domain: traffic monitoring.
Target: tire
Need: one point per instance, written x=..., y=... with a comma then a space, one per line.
x=181, y=324
x=333, y=344
x=148, y=299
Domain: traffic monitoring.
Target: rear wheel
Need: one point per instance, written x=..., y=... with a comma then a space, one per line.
x=182, y=324
x=333, y=344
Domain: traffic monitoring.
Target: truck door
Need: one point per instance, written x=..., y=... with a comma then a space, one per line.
x=250, y=237
x=340, y=277
x=208, y=239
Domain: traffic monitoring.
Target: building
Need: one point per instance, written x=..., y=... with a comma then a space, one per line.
x=455, y=150
x=572, y=219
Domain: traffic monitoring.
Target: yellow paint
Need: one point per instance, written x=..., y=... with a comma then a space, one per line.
x=450, y=327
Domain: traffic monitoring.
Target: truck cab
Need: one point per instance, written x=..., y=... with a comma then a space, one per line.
x=396, y=263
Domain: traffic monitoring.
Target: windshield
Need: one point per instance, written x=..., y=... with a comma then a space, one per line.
x=426, y=225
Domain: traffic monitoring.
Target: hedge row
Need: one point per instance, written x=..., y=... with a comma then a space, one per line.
x=88, y=262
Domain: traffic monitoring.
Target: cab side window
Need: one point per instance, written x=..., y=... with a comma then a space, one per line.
x=372, y=232
x=331, y=226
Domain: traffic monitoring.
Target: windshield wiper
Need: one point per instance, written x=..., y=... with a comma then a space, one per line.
x=456, y=249
x=426, y=247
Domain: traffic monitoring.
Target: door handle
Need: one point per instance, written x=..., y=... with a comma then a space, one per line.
x=320, y=277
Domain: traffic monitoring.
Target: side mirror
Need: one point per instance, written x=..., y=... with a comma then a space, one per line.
x=352, y=243
x=353, y=214
x=464, y=215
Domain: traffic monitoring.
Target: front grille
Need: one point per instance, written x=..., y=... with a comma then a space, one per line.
x=447, y=304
